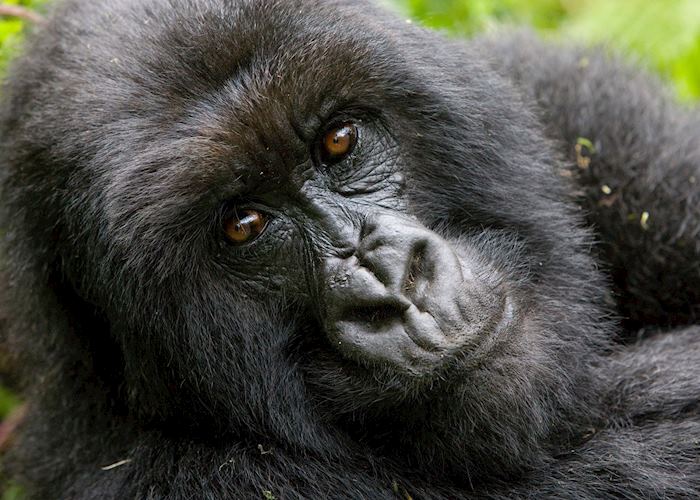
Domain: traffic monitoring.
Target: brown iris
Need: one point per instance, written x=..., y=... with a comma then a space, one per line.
x=244, y=226
x=338, y=142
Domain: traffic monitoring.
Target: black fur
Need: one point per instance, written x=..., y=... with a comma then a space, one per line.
x=199, y=371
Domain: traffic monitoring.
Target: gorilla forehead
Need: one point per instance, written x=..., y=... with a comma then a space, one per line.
x=252, y=103
x=292, y=46
x=239, y=85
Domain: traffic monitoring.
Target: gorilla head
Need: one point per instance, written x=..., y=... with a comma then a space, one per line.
x=297, y=220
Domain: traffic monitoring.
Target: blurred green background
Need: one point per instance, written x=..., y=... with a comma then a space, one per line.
x=664, y=35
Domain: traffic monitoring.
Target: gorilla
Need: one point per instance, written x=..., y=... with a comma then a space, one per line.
x=286, y=249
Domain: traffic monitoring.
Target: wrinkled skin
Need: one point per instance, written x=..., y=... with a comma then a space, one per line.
x=404, y=298
x=446, y=311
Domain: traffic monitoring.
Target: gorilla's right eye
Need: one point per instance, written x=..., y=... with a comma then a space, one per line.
x=337, y=143
x=244, y=226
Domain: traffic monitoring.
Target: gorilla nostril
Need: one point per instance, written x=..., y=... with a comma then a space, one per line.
x=371, y=224
x=416, y=268
x=345, y=252
x=367, y=227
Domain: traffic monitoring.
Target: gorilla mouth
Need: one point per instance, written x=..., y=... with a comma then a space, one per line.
x=417, y=341
x=405, y=299
x=378, y=315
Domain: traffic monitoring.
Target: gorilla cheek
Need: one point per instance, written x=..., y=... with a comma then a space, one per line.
x=405, y=299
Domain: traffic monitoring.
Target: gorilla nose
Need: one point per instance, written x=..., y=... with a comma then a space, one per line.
x=394, y=249
x=375, y=281
x=355, y=293
x=380, y=303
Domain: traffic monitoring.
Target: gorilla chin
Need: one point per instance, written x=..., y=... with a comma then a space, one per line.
x=406, y=299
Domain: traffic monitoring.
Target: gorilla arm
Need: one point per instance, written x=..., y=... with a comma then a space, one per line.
x=645, y=450
x=635, y=156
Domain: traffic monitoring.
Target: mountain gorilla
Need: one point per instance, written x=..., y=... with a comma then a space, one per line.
x=303, y=249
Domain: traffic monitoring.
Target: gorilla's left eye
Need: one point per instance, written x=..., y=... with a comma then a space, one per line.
x=244, y=226
x=337, y=143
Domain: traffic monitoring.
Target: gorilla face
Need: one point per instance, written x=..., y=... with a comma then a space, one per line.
x=302, y=215
x=386, y=291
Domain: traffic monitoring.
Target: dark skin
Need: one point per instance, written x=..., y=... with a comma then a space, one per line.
x=303, y=249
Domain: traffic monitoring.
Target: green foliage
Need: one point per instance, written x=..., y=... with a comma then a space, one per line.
x=466, y=17
x=665, y=34
x=7, y=402
x=11, y=30
x=13, y=492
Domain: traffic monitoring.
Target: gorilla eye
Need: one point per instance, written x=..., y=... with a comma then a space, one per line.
x=337, y=143
x=244, y=226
